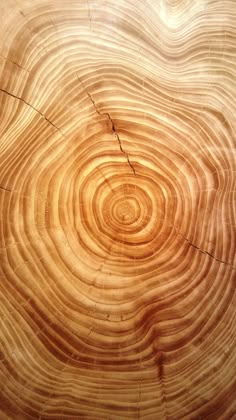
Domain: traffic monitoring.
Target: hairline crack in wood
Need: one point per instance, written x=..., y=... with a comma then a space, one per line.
x=112, y=125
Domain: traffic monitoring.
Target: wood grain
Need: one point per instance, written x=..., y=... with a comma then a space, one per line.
x=117, y=209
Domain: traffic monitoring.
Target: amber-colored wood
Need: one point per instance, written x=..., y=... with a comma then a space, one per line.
x=117, y=209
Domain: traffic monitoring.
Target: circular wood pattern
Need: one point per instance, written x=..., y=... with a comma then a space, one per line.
x=117, y=209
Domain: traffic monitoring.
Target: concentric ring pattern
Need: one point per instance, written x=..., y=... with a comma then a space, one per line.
x=117, y=199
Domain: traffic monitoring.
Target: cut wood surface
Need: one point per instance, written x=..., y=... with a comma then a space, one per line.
x=117, y=209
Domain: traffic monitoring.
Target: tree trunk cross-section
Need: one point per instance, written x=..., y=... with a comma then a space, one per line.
x=117, y=209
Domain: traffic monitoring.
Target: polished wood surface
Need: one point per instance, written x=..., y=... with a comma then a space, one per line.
x=117, y=209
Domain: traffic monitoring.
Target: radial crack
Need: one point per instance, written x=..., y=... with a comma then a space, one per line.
x=139, y=398
x=14, y=62
x=89, y=14
x=35, y=109
x=206, y=252
x=112, y=125
x=119, y=141
x=5, y=189
x=161, y=380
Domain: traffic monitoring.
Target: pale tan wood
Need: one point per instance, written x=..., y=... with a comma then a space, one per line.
x=117, y=209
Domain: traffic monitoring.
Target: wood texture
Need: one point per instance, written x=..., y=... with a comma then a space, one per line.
x=117, y=209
